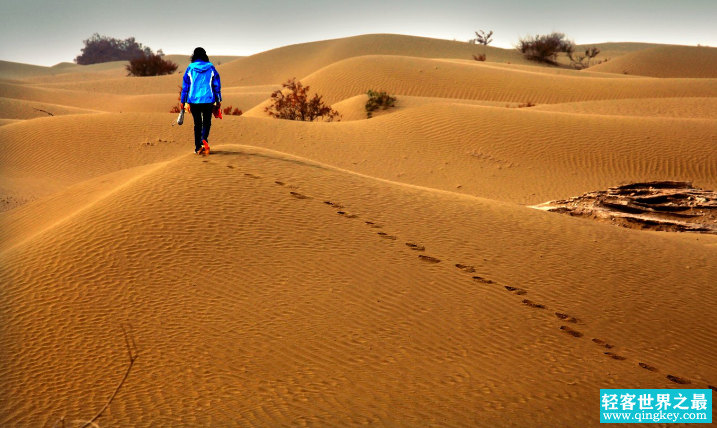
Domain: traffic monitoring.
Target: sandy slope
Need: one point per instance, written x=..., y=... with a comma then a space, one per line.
x=23, y=110
x=695, y=108
x=665, y=61
x=285, y=312
x=384, y=272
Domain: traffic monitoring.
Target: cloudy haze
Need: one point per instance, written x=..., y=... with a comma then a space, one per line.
x=48, y=32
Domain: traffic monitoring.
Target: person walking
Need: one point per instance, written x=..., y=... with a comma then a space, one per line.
x=201, y=88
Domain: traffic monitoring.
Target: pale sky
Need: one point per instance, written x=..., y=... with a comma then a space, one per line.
x=47, y=32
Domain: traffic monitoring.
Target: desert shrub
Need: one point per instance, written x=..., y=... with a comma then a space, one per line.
x=378, y=99
x=479, y=57
x=176, y=109
x=104, y=49
x=482, y=38
x=296, y=104
x=235, y=112
x=545, y=48
x=151, y=65
x=582, y=61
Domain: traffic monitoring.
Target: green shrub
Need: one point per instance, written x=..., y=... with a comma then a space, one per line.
x=378, y=99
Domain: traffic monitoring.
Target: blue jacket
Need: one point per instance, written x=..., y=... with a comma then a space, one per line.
x=201, y=83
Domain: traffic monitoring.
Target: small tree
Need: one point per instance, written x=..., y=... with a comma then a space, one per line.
x=482, y=38
x=376, y=100
x=151, y=65
x=296, y=104
x=545, y=48
x=579, y=61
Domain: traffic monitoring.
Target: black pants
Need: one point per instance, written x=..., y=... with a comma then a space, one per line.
x=202, y=114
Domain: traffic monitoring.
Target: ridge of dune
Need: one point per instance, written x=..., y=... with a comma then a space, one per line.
x=267, y=321
x=665, y=62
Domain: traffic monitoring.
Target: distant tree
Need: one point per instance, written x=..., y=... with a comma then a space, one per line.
x=151, y=65
x=482, y=38
x=105, y=49
x=296, y=104
x=545, y=48
x=579, y=61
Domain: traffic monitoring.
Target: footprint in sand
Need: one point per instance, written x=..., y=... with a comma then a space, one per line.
x=516, y=290
x=465, y=268
x=415, y=247
x=251, y=175
x=603, y=343
x=386, y=235
x=230, y=166
x=429, y=259
x=332, y=204
x=533, y=304
x=571, y=332
x=483, y=280
x=280, y=183
x=615, y=356
x=345, y=214
x=647, y=367
x=680, y=380
x=299, y=196
x=566, y=317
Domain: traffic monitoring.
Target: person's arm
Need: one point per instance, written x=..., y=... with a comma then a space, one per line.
x=186, y=83
x=216, y=87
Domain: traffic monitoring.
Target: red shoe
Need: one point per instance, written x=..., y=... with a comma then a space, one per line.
x=206, y=147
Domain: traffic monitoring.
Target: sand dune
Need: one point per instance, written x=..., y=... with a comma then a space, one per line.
x=278, y=65
x=665, y=61
x=265, y=321
x=436, y=78
x=354, y=108
x=22, y=110
x=384, y=272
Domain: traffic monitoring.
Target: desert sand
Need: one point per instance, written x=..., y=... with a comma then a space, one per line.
x=389, y=271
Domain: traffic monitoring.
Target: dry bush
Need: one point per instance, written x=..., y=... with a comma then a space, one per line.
x=296, y=104
x=482, y=38
x=545, y=48
x=151, y=65
x=228, y=111
x=378, y=99
x=479, y=57
x=582, y=61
